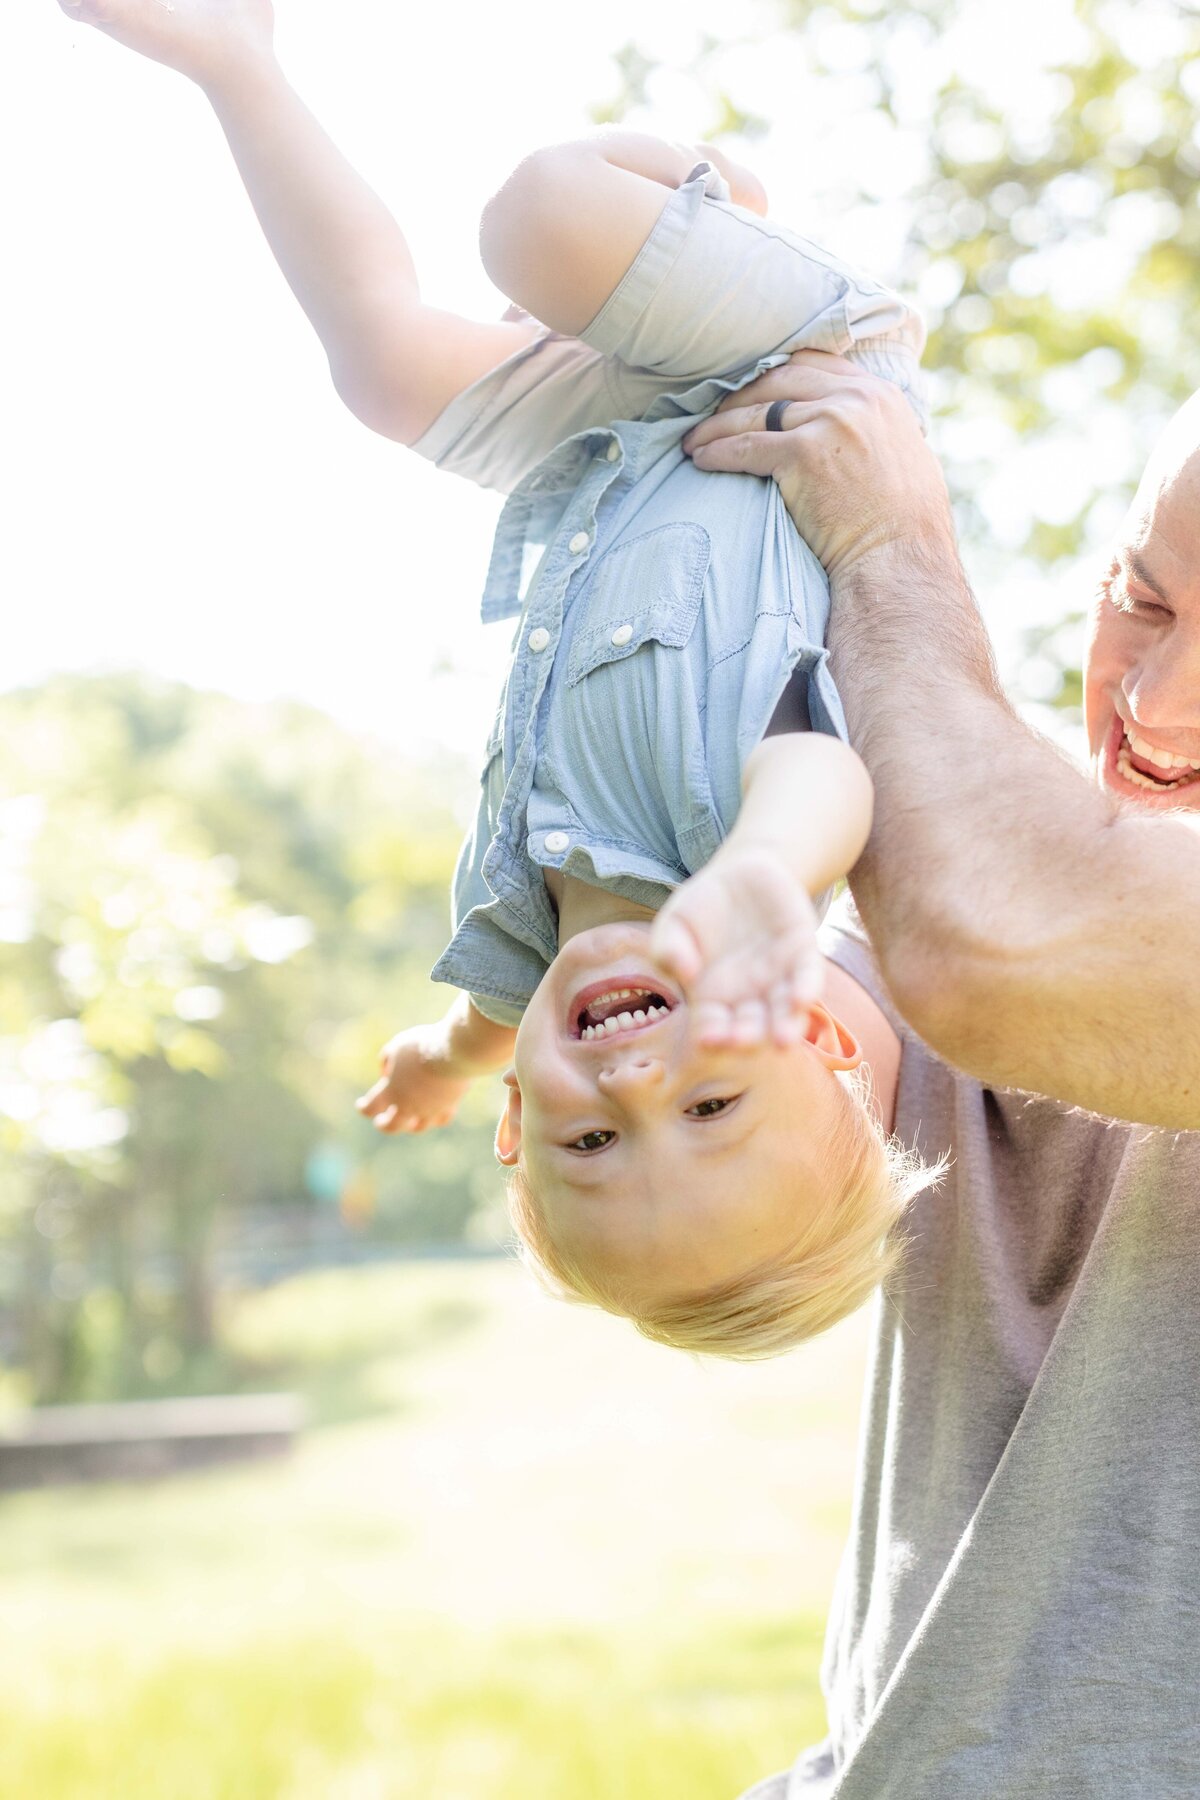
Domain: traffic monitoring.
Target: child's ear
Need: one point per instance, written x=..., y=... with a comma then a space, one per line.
x=834, y=1042
x=508, y=1131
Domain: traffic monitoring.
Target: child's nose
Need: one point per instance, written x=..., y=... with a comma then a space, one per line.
x=632, y=1072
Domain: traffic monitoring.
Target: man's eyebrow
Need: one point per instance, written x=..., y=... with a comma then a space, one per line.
x=1142, y=574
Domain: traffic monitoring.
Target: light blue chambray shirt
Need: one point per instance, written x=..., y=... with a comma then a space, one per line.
x=662, y=611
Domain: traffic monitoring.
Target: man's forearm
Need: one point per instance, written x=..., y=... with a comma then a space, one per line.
x=1004, y=893
x=1035, y=933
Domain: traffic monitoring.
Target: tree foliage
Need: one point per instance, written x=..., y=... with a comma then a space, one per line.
x=211, y=915
x=1041, y=165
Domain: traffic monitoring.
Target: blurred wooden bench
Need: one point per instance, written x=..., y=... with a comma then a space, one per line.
x=138, y=1439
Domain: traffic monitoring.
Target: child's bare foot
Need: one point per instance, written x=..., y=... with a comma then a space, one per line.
x=741, y=939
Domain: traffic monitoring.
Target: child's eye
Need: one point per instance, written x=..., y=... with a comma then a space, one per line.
x=708, y=1109
x=592, y=1140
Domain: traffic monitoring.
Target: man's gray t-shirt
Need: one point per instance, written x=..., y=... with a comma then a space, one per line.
x=1018, y=1610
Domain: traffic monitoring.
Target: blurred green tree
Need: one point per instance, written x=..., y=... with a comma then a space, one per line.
x=1037, y=167
x=211, y=915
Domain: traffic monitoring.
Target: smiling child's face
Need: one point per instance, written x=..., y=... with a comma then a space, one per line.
x=659, y=1166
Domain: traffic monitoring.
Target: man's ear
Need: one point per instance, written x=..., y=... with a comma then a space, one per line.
x=508, y=1131
x=833, y=1042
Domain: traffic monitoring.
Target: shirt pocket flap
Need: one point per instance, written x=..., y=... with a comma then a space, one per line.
x=648, y=587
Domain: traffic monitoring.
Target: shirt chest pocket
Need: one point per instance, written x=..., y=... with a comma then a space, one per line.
x=649, y=587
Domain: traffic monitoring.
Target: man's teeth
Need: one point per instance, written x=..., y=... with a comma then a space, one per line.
x=1135, y=777
x=1162, y=759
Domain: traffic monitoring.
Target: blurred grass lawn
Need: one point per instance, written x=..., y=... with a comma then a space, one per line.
x=522, y=1553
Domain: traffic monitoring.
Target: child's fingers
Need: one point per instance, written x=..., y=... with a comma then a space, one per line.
x=751, y=1019
x=373, y=1101
x=788, y=1010
x=714, y=1025
x=809, y=980
x=674, y=948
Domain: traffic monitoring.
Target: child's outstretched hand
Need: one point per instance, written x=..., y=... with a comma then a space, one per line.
x=420, y=1085
x=740, y=937
x=197, y=37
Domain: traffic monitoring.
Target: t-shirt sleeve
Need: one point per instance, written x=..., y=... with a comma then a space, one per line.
x=715, y=289
x=845, y=942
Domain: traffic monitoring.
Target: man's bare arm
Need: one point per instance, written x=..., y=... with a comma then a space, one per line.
x=1035, y=933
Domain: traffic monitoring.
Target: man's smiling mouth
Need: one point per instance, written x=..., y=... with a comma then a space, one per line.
x=1144, y=765
x=606, y=1012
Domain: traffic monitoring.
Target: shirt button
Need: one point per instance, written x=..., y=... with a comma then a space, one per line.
x=538, y=638
x=579, y=542
x=556, y=841
x=622, y=635
x=613, y=451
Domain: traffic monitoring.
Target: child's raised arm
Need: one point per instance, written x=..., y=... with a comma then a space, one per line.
x=741, y=935
x=396, y=362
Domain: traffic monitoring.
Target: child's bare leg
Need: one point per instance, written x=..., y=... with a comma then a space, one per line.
x=741, y=936
x=564, y=229
x=396, y=362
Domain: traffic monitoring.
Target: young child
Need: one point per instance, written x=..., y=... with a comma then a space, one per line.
x=667, y=793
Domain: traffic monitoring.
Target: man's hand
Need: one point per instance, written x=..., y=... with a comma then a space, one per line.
x=421, y=1082
x=854, y=471
x=741, y=939
x=200, y=38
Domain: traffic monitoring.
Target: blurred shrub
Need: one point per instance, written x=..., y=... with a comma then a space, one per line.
x=211, y=915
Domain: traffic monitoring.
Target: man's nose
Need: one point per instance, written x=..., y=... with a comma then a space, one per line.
x=1165, y=689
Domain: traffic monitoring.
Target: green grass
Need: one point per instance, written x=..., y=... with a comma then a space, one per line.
x=522, y=1554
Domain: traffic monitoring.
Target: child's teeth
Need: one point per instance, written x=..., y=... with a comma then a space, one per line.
x=623, y=1021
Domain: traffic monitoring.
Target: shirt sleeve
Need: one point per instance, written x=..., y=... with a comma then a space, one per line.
x=508, y=421
x=845, y=942
x=715, y=290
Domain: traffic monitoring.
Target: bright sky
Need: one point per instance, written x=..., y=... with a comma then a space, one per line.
x=186, y=493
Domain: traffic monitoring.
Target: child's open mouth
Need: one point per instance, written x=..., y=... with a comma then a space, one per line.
x=605, y=1010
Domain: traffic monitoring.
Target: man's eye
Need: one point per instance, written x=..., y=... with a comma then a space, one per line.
x=1149, y=609
x=1134, y=606
x=592, y=1140
x=708, y=1109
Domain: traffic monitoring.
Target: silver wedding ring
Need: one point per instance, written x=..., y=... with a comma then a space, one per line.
x=775, y=414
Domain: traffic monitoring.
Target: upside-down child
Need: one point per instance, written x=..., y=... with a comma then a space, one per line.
x=668, y=794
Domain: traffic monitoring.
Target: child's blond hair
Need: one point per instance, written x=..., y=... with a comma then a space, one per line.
x=846, y=1247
